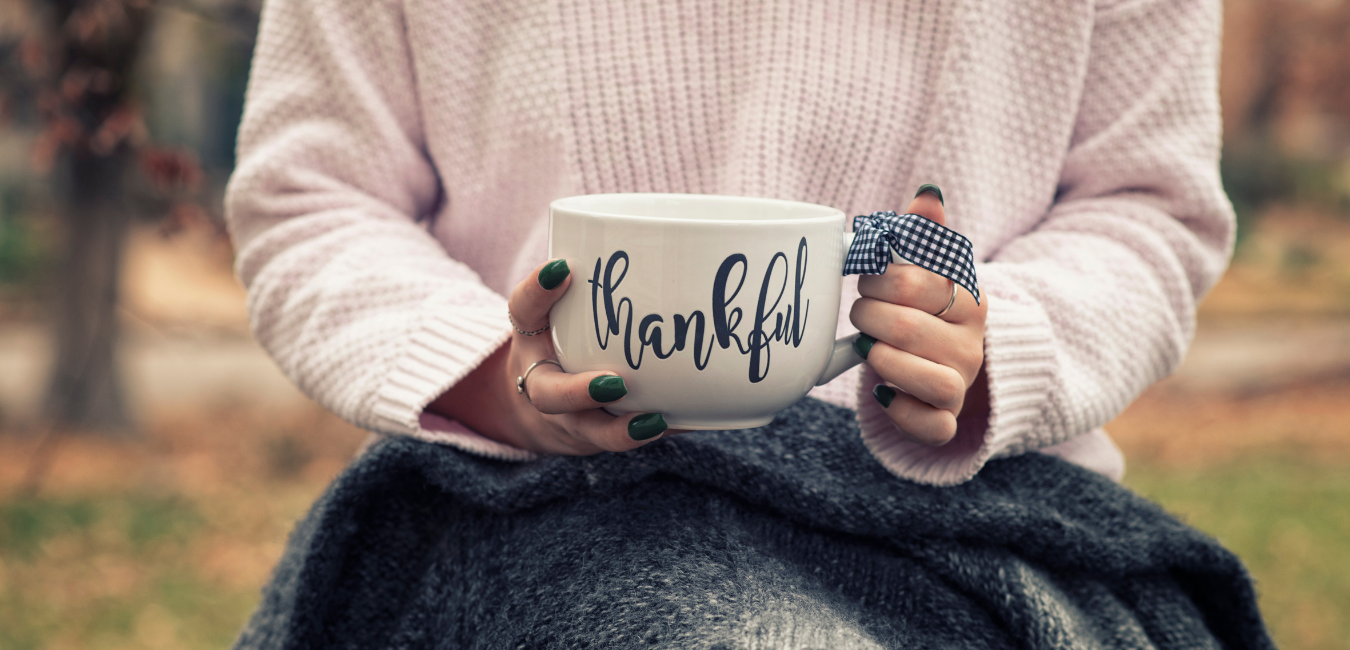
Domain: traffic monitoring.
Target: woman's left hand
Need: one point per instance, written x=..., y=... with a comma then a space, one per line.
x=933, y=360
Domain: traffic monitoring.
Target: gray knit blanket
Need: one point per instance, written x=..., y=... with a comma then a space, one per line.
x=788, y=536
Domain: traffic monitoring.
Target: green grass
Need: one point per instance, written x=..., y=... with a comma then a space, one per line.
x=1289, y=521
x=110, y=571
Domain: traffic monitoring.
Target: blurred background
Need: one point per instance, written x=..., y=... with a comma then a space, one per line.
x=152, y=459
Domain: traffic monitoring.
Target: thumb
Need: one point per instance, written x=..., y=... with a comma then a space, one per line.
x=928, y=204
x=532, y=299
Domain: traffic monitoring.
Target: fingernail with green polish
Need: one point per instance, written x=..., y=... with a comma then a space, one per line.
x=552, y=274
x=646, y=426
x=884, y=395
x=929, y=187
x=607, y=388
x=863, y=345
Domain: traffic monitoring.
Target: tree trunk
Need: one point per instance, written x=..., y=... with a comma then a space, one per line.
x=85, y=387
x=93, y=46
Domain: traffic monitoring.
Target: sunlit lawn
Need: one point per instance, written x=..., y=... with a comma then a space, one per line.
x=1289, y=520
x=114, y=571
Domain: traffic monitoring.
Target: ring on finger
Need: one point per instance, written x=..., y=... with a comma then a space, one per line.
x=520, y=381
x=951, y=301
x=521, y=331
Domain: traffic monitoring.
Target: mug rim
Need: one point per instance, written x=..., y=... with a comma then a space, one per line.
x=563, y=204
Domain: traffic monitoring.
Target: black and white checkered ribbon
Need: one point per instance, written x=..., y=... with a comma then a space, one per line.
x=925, y=243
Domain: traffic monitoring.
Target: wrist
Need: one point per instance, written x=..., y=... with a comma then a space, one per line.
x=481, y=401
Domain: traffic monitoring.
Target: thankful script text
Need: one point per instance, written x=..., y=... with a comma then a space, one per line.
x=613, y=314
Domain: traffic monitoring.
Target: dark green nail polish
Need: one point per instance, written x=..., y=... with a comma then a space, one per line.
x=929, y=187
x=552, y=274
x=863, y=345
x=607, y=388
x=645, y=426
x=884, y=394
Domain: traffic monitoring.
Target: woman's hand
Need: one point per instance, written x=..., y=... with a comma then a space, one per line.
x=562, y=414
x=933, y=361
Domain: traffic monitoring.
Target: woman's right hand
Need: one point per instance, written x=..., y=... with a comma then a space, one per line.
x=562, y=414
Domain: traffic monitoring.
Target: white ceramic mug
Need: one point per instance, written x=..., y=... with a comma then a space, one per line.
x=718, y=311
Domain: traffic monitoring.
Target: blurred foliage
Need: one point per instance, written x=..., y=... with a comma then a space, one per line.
x=1285, y=86
x=287, y=456
x=1257, y=177
x=178, y=107
x=25, y=254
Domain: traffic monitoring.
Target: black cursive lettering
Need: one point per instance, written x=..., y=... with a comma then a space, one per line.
x=789, y=323
x=759, y=339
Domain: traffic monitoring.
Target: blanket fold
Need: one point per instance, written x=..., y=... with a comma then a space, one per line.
x=786, y=536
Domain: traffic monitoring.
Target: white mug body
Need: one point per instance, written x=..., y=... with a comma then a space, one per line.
x=717, y=311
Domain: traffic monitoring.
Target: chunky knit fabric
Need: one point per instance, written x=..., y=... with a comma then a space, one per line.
x=397, y=158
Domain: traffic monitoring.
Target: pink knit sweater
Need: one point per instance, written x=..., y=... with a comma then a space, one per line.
x=397, y=158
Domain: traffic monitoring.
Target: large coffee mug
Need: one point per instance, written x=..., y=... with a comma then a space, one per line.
x=718, y=311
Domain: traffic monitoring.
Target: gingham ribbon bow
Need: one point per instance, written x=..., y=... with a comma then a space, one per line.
x=925, y=243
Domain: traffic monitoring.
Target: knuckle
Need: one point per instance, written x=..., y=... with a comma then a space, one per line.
x=893, y=286
x=972, y=357
x=948, y=389
x=865, y=315
x=578, y=397
x=859, y=310
x=547, y=407
x=946, y=429
x=870, y=286
x=902, y=328
x=563, y=397
x=538, y=397
x=543, y=395
x=910, y=277
x=940, y=431
x=523, y=294
x=527, y=306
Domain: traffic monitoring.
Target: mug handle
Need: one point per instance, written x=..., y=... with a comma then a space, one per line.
x=844, y=356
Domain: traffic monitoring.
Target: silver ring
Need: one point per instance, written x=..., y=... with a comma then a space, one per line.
x=521, y=331
x=950, y=302
x=520, y=381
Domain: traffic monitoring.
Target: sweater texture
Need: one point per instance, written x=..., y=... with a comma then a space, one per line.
x=790, y=536
x=397, y=158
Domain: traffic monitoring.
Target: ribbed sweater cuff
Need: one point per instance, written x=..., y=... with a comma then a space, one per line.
x=1019, y=363
x=447, y=345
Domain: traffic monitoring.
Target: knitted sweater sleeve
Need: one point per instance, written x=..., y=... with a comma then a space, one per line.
x=353, y=298
x=1098, y=301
